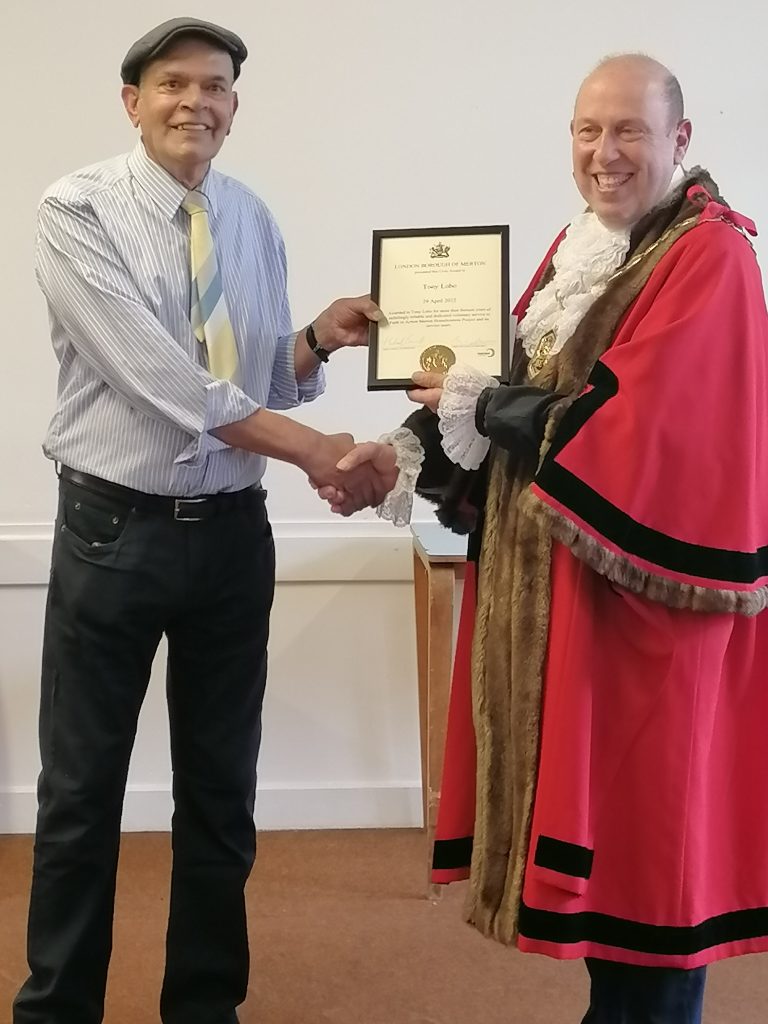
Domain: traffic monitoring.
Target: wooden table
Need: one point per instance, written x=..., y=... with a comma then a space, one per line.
x=439, y=559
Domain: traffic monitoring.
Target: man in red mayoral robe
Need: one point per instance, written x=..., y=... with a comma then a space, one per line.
x=605, y=772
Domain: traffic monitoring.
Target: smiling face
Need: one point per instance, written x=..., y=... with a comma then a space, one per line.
x=626, y=140
x=184, y=106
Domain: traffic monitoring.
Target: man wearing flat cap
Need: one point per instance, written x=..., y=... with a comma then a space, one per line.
x=166, y=288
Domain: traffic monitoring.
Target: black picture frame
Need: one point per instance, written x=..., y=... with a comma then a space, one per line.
x=375, y=383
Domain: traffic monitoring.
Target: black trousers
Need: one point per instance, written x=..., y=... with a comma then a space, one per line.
x=626, y=994
x=120, y=579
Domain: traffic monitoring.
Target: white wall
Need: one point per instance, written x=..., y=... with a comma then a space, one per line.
x=353, y=116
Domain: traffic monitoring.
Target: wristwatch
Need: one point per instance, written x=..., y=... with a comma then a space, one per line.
x=315, y=345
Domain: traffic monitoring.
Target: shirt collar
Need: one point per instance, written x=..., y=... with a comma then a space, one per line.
x=163, y=189
x=677, y=176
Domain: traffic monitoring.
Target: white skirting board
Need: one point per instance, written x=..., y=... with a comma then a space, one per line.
x=149, y=808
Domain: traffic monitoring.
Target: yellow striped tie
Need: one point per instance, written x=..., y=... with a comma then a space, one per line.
x=209, y=316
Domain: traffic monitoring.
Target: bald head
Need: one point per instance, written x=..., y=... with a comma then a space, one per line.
x=652, y=71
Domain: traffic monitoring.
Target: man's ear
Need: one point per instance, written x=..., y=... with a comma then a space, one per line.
x=682, y=139
x=130, y=98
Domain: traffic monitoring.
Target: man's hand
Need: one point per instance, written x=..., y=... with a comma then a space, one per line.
x=351, y=485
x=345, y=323
x=429, y=389
x=368, y=473
x=321, y=460
x=317, y=454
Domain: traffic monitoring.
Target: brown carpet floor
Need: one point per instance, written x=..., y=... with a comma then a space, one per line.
x=341, y=933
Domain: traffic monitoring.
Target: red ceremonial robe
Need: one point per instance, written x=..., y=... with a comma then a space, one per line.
x=649, y=841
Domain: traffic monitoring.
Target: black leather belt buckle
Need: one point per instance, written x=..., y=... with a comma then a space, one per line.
x=187, y=510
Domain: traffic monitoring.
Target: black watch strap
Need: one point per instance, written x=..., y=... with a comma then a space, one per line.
x=315, y=345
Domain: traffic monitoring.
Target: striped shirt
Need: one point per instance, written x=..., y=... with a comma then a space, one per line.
x=136, y=403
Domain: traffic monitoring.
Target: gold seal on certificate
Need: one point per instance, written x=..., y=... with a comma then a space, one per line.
x=437, y=357
x=444, y=293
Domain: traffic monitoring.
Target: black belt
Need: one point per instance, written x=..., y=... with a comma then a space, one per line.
x=189, y=510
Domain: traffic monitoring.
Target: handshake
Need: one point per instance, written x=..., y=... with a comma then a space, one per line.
x=350, y=476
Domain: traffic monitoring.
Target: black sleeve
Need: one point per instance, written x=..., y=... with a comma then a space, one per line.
x=514, y=418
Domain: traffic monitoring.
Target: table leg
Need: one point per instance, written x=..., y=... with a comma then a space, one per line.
x=434, y=587
x=421, y=596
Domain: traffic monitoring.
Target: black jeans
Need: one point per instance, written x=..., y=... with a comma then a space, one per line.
x=626, y=994
x=120, y=579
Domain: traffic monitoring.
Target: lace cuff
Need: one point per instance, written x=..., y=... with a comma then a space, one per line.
x=462, y=442
x=398, y=504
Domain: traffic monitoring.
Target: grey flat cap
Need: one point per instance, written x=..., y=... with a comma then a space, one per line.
x=151, y=44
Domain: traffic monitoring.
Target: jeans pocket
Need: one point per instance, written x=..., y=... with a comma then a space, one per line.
x=92, y=519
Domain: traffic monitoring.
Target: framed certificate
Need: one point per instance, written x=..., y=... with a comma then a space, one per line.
x=444, y=293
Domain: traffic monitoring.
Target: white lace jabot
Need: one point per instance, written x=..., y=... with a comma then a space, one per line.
x=585, y=260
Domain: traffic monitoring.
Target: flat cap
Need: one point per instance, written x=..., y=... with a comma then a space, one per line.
x=155, y=41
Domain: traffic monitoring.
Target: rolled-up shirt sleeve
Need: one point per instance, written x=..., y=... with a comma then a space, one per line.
x=286, y=392
x=91, y=293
